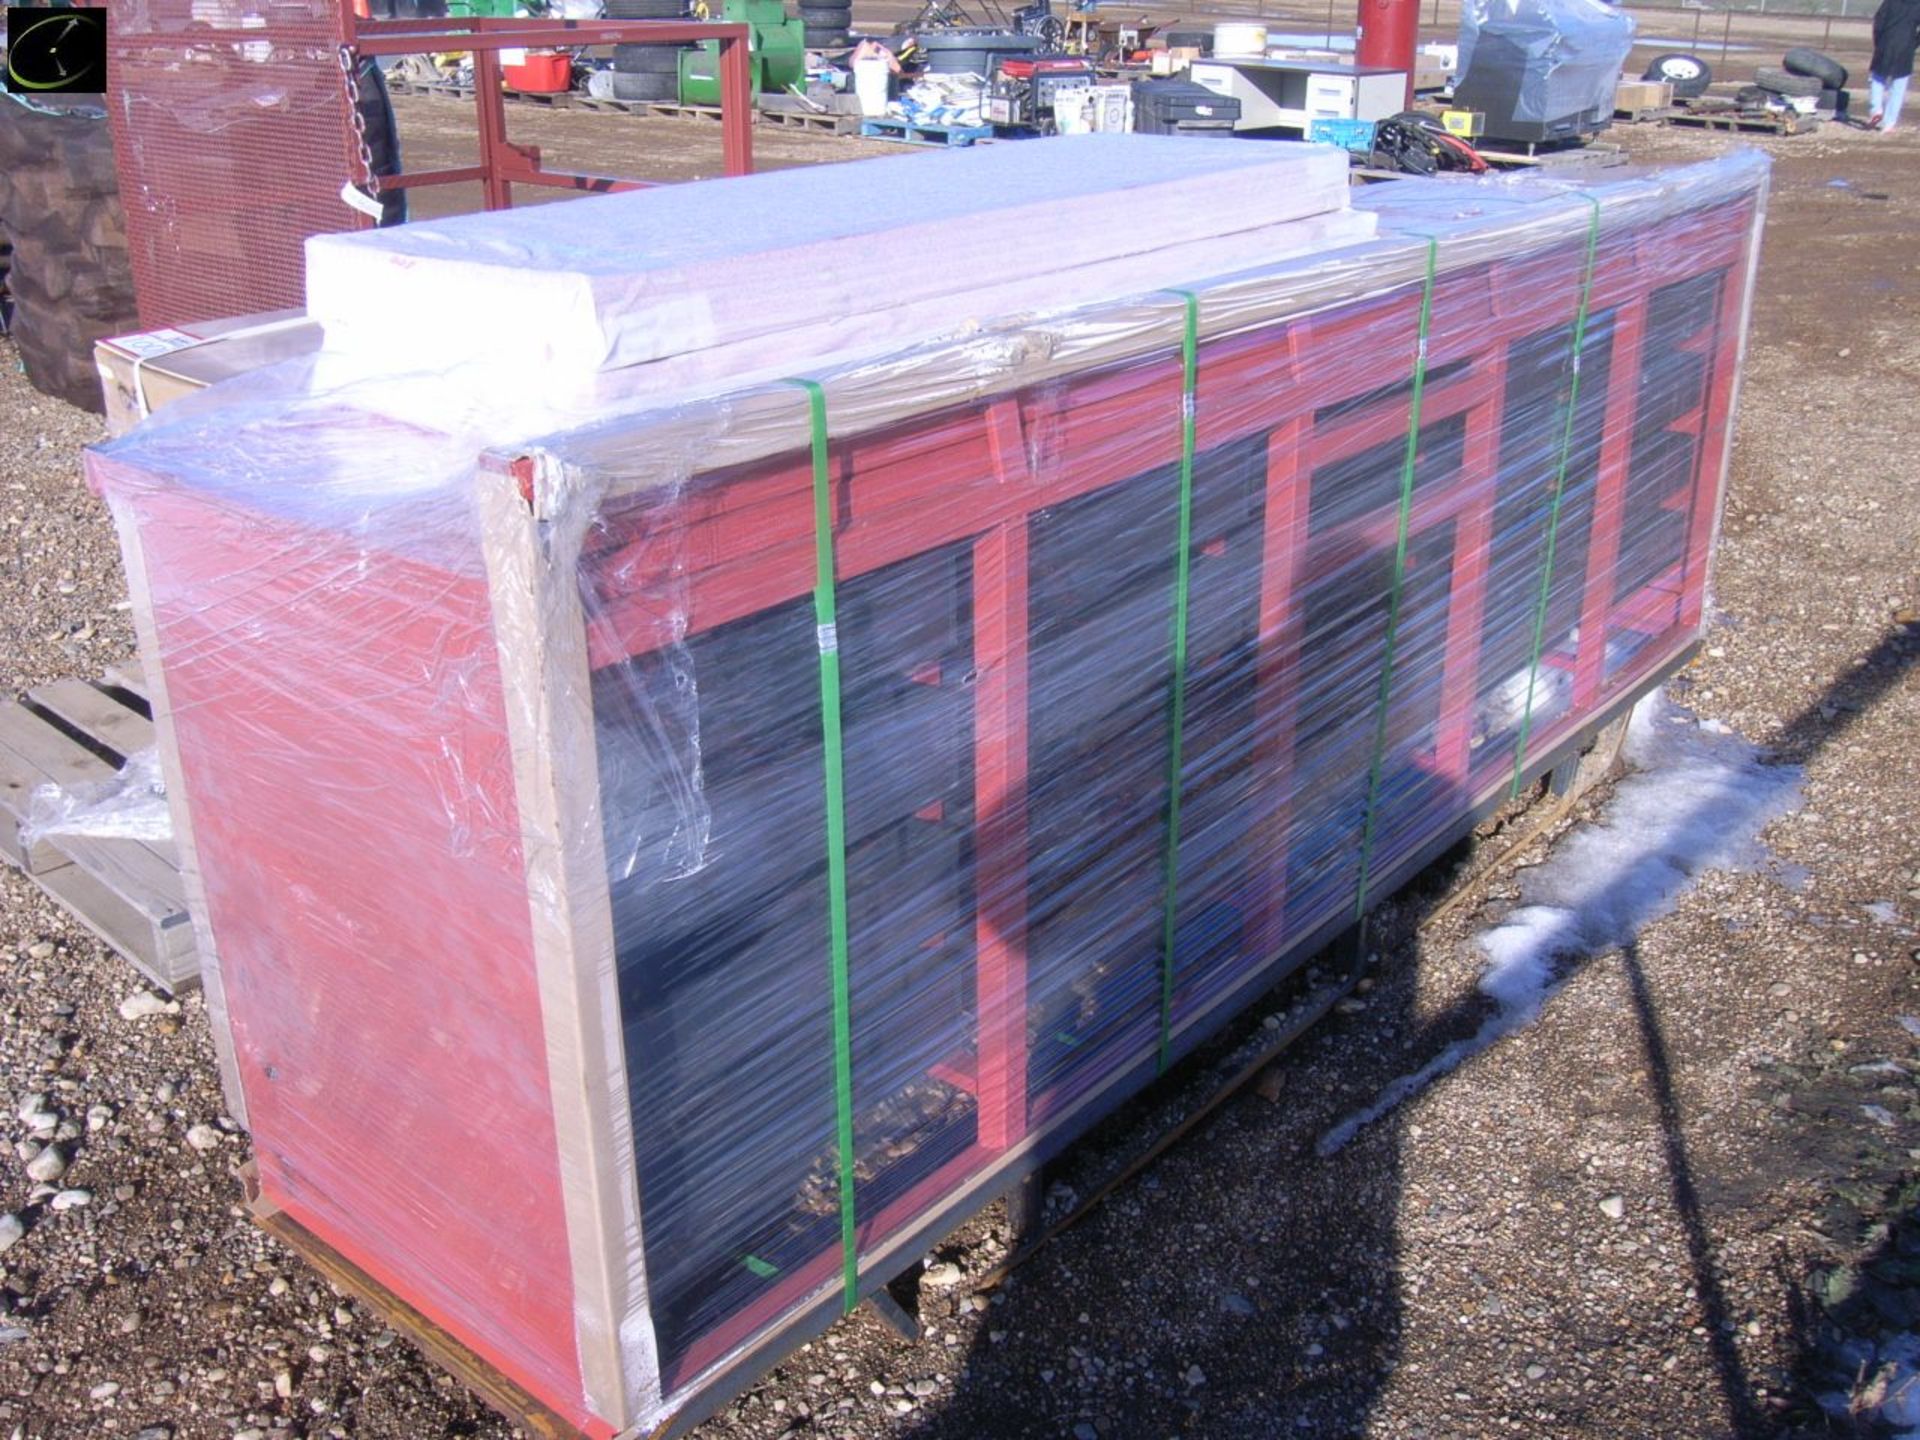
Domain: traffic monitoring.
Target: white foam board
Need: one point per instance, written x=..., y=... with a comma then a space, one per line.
x=527, y=400
x=617, y=280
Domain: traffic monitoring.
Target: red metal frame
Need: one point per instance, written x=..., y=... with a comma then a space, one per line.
x=965, y=476
x=231, y=144
x=504, y=164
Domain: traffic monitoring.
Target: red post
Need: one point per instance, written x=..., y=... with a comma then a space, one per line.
x=1472, y=560
x=1388, y=35
x=736, y=105
x=1609, y=502
x=1000, y=798
x=493, y=127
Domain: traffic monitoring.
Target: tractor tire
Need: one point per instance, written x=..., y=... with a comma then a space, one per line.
x=1771, y=77
x=646, y=9
x=660, y=88
x=1831, y=74
x=646, y=59
x=1752, y=97
x=1836, y=103
x=827, y=37
x=1689, y=75
x=69, y=275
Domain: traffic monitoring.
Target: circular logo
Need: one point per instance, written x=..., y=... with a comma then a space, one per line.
x=59, y=52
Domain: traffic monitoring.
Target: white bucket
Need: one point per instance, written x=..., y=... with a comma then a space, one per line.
x=870, y=79
x=1240, y=40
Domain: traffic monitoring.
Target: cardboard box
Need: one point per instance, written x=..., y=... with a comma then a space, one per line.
x=141, y=373
x=1636, y=95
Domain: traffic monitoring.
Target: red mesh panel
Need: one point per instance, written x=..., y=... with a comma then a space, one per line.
x=232, y=138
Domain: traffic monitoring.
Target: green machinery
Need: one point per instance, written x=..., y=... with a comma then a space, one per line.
x=776, y=52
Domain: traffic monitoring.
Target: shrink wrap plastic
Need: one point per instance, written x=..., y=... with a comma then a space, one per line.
x=662, y=868
x=1555, y=57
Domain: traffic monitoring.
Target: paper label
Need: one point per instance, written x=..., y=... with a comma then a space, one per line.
x=152, y=343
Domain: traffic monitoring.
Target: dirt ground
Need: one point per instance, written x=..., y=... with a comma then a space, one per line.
x=1657, y=1212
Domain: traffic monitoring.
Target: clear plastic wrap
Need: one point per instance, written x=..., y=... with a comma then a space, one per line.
x=1545, y=59
x=668, y=862
x=131, y=806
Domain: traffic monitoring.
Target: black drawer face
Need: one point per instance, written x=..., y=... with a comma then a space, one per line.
x=1100, y=631
x=1534, y=436
x=724, y=971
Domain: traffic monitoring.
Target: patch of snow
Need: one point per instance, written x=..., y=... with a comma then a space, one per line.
x=1696, y=800
x=1883, y=912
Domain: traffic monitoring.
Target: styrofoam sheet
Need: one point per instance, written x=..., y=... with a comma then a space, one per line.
x=623, y=279
x=535, y=398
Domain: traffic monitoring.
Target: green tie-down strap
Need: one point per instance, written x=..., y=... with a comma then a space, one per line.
x=1398, y=585
x=1559, y=490
x=1177, y=719
x=827, y=636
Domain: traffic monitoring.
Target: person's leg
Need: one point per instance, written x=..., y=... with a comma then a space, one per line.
x=1896, y=96
x=1876, y=100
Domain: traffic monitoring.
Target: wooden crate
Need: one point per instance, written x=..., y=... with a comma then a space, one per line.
x=128, y=892
x=1641, y=99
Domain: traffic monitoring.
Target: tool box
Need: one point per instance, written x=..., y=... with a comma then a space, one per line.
x=669, y=863
x=1172, y=107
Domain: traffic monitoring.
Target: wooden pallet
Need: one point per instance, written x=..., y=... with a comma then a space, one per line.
x=128, y=892
x=906, y=132
x=1751, y=122
x=1644, y=115
x=811, y=120
x=661, y=109
x=539, y=99
x=1571, y=157
x=440, y=1346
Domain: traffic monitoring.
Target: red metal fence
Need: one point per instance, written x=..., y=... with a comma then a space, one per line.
x=234, y=139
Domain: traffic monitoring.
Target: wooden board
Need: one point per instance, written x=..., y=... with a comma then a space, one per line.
x=443, y=1348
x=128, y=892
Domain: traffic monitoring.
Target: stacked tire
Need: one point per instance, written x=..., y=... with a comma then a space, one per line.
x=70, y=278
x=1824, y=70
x=1777, y=81
x=829, y=23
x=647, y=72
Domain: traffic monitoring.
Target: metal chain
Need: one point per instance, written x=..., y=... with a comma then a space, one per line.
x=350, y=73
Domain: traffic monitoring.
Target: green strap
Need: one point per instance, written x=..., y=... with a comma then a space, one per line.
x=1399, y=582
x=1182, y=576
x=1559, y=490
x=827, y=635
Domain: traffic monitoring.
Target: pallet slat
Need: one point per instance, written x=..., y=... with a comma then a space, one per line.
x=102, y=718
x=908, y=133
x=34, y=753
x=128, y=892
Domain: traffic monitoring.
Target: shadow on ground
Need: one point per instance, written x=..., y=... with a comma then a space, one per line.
x=1241, y=1286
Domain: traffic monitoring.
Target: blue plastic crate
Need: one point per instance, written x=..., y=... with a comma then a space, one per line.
x=1354, y=135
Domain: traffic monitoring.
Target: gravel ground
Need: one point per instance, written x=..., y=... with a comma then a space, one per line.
x=1662, y=1210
